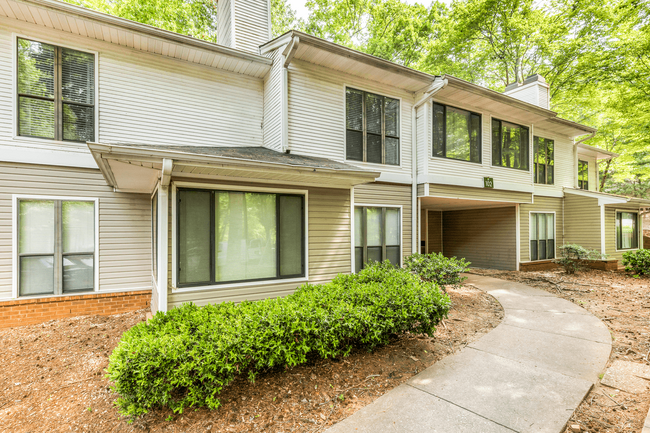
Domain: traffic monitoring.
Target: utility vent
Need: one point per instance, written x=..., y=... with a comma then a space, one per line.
x=244, y=24
x=533, y=90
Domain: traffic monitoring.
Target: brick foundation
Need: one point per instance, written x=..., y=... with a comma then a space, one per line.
x=37, y=310
x=546, y=265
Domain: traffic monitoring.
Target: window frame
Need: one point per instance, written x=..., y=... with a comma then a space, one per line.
x=546, y=165
x=636, y=227
x=384, y=246
x=530, y=234
x=364, y=128
x=480, y=133
x=501, y=121
x=16, y=99
x=16, y=198
x=580, y=181
x=175, y=244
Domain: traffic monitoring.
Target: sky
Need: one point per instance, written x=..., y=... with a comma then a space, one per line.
x=299, y=6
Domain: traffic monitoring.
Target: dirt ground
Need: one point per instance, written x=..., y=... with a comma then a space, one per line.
x=52, y=378
x=623, y=303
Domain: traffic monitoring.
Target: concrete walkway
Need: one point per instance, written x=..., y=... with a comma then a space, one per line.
x=527, y=375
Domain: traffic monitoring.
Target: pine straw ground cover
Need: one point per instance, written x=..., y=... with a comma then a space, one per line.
x=52, y=378
x=623, y=304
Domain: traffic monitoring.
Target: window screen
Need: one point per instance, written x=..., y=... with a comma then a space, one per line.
x=510, y=145
x=627, y=232
x=456, y=133
x=376, y=236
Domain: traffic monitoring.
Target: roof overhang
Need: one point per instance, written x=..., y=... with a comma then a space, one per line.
x=605, y=199
x=129, y=168
x=595, y=152
x=81, y=21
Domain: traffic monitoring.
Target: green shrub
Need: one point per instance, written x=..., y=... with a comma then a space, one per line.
x=637, y=261
x=437, y=268
x=572, y=256
x=185, y=357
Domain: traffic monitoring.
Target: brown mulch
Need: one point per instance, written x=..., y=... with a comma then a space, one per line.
x=623, y=304
x=52, y=378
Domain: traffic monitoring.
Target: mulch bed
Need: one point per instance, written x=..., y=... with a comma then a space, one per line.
x=623, y=304
x=52, y=378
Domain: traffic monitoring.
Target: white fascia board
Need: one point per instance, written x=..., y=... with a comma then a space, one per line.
x=394, y=178
x=28, y=155
x=602, y=198
x=473, y=182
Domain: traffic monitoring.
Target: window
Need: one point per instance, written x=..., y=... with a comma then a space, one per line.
x=233, y=236
x=376, y=235
x=583, y=175
x=509, y=145
x=542, y=236
x=372, y=127
x=456, y=133
x=56, y=246
x=627, y=232
x=154, y=236
x=543, y=160
x=56, y=92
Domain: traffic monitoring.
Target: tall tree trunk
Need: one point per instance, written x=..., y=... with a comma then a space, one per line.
x=604, y=178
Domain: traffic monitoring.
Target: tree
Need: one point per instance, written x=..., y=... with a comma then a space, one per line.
x=283, y=18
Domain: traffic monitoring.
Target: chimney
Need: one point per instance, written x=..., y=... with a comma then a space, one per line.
x=243, y=24
x=533, y=90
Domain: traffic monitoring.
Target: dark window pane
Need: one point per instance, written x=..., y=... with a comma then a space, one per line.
x=35, y=68
x=392, y=151
x=358, y=259
x=78, y=123
x=550, y=175
x=458, y=134
x=373, y=113
x=374, y=254
x=36, y=117
x=524, y=148
x=194, y=236
x=354, y=109
x=475, y=138
x=542, y=249
x=354, y=145
x=496, y=142
x=551, y=249
x=77, y=76
x=512, y=147
x=291, y=233
x=78, y=273
x=533, y=250
x=392, y=255
x=392, y=117
x=542, y=173
x=438, y=130
x=373, y=148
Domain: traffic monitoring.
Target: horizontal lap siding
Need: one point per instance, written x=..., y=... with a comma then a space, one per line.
x=489, y=194
x=485, y=237
x=273, y=103
x=582, y=221
x=251, y=24
x=124, y=222
x=434, y=232
x=329, y=254
x=389, y=194
x=564, y=168
x=542, y=204
x=610, y=230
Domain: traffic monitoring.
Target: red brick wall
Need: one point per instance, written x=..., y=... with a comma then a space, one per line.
x=36, y=310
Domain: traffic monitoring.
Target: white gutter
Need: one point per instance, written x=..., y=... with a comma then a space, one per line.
x=437, y=85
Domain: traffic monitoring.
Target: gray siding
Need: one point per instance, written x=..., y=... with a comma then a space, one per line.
x=434, y=232
x=542, y=204
x=124, y=222
x=582, y=221
x=610, y=230
x=485, y=237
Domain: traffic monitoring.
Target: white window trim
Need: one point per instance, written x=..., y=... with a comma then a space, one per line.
x=530, y=145
x=639, y=231
x=401, y=129
x=481, y=136
x=14, y=87
x=401, y=229
x=222, y=187
x=14, y=241
x=530, y=213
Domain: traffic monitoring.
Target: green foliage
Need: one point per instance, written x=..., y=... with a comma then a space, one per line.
x=572, y=256
x=185, y=357
x=435, y=267
x=637, y=261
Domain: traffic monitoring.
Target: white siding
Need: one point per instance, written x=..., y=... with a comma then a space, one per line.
x=224, y=23
x=317, y=115
x=273, y=103
x=564, y=164
x=252, y=24
x=423, y=136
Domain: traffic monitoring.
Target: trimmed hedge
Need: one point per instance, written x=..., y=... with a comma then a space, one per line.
x=637, y=261
x=438, y=268
x=572, y=256
x=185, y=357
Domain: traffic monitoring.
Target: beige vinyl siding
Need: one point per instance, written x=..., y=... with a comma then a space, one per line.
x=582, y=221
x=485, y=237
x=224, y=23
x=124, y=222
x=564, y=165
x=593, y=175
x=317, y=115
x=154, y=299
x=489, y=194
x=434, y=232
x=420, y=190
x=610, y=230
x=273, y=102
x=392, y=195
x=329, y=250
x=252, y=24
x=542, y=204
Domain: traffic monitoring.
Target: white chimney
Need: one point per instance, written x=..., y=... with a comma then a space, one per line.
x=533, y=90
x=244, y=24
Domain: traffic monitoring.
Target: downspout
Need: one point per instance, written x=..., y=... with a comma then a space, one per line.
x=163, y=233
x=437, y=85
x=287, y=57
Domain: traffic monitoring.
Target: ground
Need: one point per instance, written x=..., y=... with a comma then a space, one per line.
x=622, y=302
x=52, y=377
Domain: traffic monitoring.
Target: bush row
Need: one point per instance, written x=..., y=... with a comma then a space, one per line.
x=637, y=261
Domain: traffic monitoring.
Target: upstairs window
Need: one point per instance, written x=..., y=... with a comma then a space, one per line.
x=583, y=175
x=627, y=232
x=372, y=127
x=456, y=134
x=56, y=92
x=543, y=160
x=509, y=145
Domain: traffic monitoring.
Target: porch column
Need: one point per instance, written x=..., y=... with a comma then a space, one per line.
x=163, y=246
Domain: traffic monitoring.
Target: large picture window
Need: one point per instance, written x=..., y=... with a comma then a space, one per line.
x=544, y=163
x=56, y=246
x=456, y=133
x=372, y=127
x=234, y=236
x=376, y=235
x=583, y=175
x=627, y=231
x=56, y=92
x=542, y=236
x=510, y=145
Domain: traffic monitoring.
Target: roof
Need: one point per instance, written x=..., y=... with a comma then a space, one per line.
x=605, y=198
x=596, y=152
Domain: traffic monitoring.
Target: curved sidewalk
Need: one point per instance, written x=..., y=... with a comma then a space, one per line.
x=527, y=375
